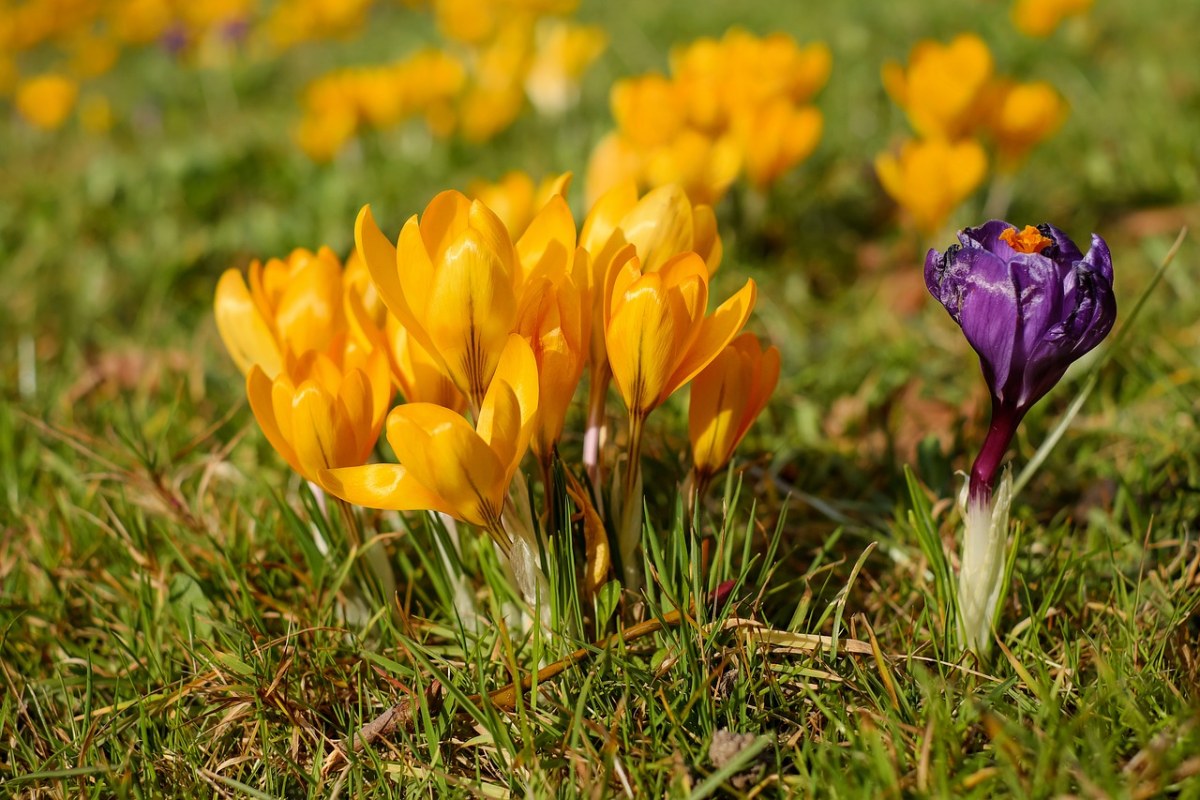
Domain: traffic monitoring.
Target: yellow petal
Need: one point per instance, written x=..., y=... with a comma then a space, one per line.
x=448, y=457
x=443, y=222
x=707, y=240
x=247, y=336
x=606, y=215
x=716, y=331
x=380, y=257
x=309, y=313
x=720, y=393
x=548, y=243
x=323, y=440
x=472, y=309
x=659, y=226
x=386, y=486
x=507, y=413
x=259, y=390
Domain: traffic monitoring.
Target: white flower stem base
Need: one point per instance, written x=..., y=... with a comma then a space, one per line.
x=981, y=570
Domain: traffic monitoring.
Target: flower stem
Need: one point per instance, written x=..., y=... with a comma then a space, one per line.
x=594, y=434
x=629, y=533
x=987, y=464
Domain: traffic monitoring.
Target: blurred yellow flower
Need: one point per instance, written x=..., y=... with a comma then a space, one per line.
x=930, y=177
x=291, y=307
x=726, y=399
x=656, y=330
x=737, y=103
x=704, y=166
x=1021, y=115
x=563, y=52
x=776, y=137
x=452, y=280
x=942, y=86
x=445, y=464
x=46, y=100
x=321, y=413
x=1040, y=18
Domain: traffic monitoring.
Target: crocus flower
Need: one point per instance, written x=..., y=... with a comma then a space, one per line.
x=414, y=371
x=658, y=338
x=1020, y=116
x=453, y=282
x=656, y=328
x=291, y=305
x=928, y=178
x=942, y=86
x=1030, y=303
x=446, y=464
x=726, y=398
x=564, y=51
x=45, y=101
x=321, y=413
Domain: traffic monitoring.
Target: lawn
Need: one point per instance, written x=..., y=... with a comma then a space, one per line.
x=182, y=615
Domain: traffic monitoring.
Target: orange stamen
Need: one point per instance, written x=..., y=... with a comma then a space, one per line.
x=1029, y=240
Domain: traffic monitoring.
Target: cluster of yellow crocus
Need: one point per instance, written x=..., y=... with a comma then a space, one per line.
x=71, y=42
x=736, y=105
x=953, y=100
x=487, y=329
x=496, y=55
x=340, y=104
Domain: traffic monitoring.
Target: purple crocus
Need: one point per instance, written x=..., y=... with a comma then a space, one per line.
x=1030, y=304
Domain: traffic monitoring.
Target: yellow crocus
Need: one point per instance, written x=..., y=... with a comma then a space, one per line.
x=292, y=305
x=45, y=101
x=563, y=52
x=649, y=109
x=445, y=464
x=930, y=177
x=614, y=160
x=555, y=318
x=656, y=330
x=453, y=281
x=705, y=166
x=776, y=137
x=1021, y=115
x=726, y=398
x=414, y=371
x=321, y=413
x=660, y=225
x=1040, y=18
x=942, y=86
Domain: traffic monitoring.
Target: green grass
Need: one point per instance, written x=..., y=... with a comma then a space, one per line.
x=170, y=627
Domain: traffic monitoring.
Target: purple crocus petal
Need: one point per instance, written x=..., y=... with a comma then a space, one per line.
x=1040, y=294
x=1099, y=259
x=988, y=313
x=987, y=236
x=1065, y=252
